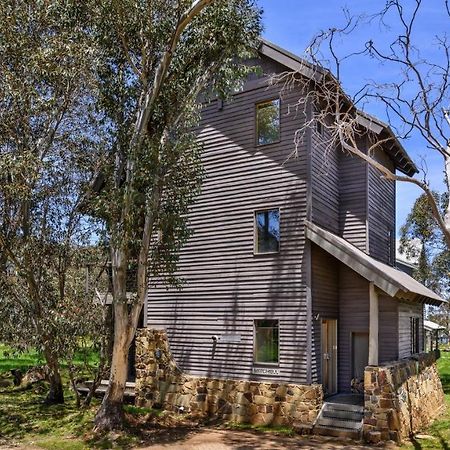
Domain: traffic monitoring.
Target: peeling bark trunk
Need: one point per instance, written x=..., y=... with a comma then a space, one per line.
x=110, y=415
x=56, y=392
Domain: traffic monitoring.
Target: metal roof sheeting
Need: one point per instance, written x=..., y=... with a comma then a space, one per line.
x=389, y=279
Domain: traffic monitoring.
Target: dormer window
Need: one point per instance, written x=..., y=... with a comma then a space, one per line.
x=268, y=122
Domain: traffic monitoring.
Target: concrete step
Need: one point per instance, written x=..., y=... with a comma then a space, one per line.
x=342, y=433
x=344, y=415
x=330, y=406
x=340, y=420
x=334, y=422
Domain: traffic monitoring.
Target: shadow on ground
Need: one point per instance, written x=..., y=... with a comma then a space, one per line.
x=212, y=439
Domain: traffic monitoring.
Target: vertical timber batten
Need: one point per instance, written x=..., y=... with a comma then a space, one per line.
x=373, y=325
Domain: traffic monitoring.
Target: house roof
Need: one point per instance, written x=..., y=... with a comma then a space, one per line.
x=432, y=326
x=396, y=151
x=390, y=280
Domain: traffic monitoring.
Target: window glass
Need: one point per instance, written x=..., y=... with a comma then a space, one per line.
x=266, y=341
x=268, y=122
x=267, y=231
x=414, y=329
x=319, y=125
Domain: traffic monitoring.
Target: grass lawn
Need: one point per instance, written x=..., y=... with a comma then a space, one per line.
x=8, y=360
x=26, y=420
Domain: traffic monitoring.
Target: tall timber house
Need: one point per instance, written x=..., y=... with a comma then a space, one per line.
x=290, y=272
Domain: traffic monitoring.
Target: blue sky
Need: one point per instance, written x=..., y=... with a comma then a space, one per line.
x=292, y=24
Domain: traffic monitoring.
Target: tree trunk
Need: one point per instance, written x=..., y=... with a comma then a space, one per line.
x=56, y=392
x=110, y=415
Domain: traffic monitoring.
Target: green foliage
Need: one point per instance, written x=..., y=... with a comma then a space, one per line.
x=163, y=172
x=11, y=359
x=49, y=137
x=98, y=146
x=421, y=238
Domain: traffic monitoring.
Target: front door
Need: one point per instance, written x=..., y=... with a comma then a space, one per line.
x=329, y=356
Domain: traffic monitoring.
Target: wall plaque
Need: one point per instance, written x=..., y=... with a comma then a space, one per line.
x=265, y=371
x=231, y=338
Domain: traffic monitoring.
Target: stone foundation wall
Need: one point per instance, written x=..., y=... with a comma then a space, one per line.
x=161, y=384
x=401, y=397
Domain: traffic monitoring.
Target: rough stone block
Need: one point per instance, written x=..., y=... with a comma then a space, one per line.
x=374, y=437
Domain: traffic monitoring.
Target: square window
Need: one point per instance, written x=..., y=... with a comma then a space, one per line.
x=266, y=341
x=268, y=122
x=267, y=229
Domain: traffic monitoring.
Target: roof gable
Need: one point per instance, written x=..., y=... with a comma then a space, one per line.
x=293, y=62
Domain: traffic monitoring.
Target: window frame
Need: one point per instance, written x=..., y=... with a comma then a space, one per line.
x=260, y=363
x=255, y=231
x=263, y=102
x=414, y=328
x=319, y=128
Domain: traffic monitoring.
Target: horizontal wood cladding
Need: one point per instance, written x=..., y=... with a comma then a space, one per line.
x=381, y=211
x=226, y=287
x=353, y=207
x=325, y=300
x=325, y=181
x=388, y=328
x=353, y=317
x=407, y=311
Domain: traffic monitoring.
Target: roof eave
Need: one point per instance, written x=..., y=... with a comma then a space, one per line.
x=382, y=280
x=316, y=73
x=377, y=126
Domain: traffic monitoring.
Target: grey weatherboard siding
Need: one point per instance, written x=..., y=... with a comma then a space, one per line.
x=227, y=286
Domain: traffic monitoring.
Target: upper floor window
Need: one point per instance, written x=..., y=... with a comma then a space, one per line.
x=266, y=341
x=268, y=122
x=318, y=119
x=267, y=229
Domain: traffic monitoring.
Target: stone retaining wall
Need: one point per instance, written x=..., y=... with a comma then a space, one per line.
x=401, y=397
x=161, y=384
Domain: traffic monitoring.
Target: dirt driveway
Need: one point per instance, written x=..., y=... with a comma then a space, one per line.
x=216, y=439
x=211, y=439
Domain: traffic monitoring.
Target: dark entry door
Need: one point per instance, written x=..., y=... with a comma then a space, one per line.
x=329, y=356
x=360, y=356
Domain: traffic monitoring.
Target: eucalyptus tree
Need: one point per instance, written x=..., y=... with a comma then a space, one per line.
x=160, y=57
x=48, y=137
x=422, y=239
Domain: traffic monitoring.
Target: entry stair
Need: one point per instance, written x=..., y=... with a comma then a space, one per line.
x=339, y=419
